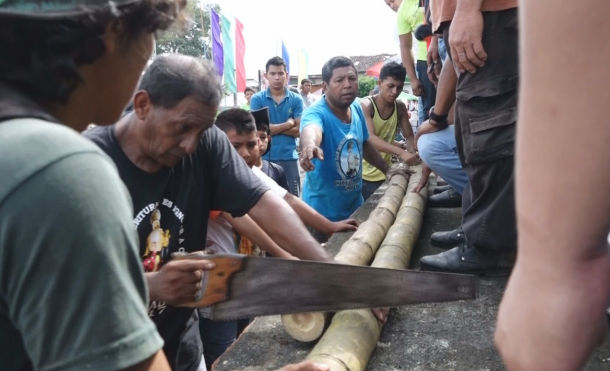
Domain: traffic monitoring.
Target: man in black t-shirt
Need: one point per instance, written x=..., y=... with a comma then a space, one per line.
x=177, y=167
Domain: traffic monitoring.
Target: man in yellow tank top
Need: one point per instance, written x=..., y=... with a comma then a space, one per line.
x=383, y=113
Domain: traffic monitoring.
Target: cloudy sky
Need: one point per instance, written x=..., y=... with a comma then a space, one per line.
x=323, y=28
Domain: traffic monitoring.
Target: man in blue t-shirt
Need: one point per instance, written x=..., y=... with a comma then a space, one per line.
x=285, y=109
x=334, y=140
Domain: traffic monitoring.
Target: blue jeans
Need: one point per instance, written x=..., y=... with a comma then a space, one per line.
x=439, y=151
x=442, y=49
x=426, y=101
x=291, y=169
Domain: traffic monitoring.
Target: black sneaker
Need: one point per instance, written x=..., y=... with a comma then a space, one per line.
x=448, y=198
x=463, y=259
x=447, y=238
x=442, y=188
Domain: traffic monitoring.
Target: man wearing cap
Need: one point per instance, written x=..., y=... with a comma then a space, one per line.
x=72, y=293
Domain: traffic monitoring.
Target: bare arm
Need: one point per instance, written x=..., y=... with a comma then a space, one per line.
x=312, y=218
x=371, y=155
x=552, y=314
x=406, y=42
x=434, y=60
x=246, y=227
x=283, y=127
x=445, y=96
x=295, y=130
x=311, y=137
x=423, y=181
x=405, y=126
x=284, y=226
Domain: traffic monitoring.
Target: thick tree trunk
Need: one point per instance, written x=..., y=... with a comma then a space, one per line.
x=359, y=249
x=352, y=335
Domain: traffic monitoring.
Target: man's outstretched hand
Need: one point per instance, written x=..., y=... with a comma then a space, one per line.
x=308, y=153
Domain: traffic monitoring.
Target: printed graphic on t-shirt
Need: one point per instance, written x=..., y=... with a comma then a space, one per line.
x=158, y=239
x=160, y=226
x=349, y=158
x=349, y=163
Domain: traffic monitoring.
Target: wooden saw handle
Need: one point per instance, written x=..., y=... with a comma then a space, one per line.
x=215, y=282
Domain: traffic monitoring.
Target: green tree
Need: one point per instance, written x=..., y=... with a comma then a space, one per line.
x=193, y=35
x=365, y=85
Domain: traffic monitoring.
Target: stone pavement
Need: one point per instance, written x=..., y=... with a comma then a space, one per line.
x=436, y=336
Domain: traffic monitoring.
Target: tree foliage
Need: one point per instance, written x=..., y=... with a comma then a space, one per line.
x=365, y=85
x=191, y=36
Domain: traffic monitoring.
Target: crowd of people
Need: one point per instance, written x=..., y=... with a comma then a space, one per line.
x=90, y=219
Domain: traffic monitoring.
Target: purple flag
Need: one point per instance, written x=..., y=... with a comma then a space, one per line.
x=217, y=52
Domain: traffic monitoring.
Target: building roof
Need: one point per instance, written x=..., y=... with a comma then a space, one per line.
x=363, y=62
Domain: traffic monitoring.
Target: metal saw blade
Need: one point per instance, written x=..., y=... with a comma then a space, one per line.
x=267, y=286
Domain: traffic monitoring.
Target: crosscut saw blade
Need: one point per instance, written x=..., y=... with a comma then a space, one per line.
x=243, y=286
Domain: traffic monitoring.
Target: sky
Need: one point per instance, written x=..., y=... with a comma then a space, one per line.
x=322, y=28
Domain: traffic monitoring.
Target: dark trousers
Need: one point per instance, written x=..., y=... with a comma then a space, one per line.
x=216, y=337
x=426, y=101
x=291, y=169
x=486, y=113
x=368, y=188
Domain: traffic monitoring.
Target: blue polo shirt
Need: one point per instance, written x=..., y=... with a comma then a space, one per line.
x=283, y=147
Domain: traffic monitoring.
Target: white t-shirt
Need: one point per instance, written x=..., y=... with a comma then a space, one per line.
x=308, y=99
x=269, y=182
x=220, y=231
x=220, y=236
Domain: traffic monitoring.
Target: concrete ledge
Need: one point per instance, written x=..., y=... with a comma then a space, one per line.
x=436, y=336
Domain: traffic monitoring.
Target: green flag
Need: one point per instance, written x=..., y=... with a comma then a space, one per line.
x=229, y=55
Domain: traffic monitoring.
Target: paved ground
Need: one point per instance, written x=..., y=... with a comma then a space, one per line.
x=438, y=336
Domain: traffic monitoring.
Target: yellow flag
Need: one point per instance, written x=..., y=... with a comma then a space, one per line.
x=303, y=66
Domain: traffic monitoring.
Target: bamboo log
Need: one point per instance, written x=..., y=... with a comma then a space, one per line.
x=352, y=335
x=359, y=249
x=374, y=229
x=305, y=327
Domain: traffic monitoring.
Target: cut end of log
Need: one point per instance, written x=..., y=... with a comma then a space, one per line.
x=305, y=327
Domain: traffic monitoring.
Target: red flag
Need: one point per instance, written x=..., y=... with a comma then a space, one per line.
x=240, y=51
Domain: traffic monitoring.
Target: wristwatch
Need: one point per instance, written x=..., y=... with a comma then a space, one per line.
x=441, y=120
